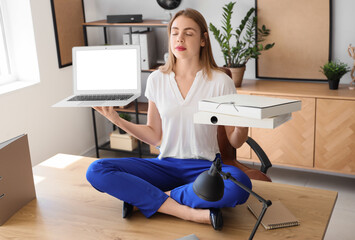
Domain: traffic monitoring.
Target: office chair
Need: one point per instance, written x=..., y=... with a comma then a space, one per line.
x=228, y=152
x=229, y=156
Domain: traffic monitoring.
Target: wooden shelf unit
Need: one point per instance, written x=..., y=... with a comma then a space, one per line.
x=145, y=23
x=321, y=136
x=136, y=108
x=148, y=23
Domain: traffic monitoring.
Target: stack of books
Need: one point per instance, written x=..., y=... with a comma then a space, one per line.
x=246, y=111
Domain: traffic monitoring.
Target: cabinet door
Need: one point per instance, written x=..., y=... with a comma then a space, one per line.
x=335, y=135
x=292, y=143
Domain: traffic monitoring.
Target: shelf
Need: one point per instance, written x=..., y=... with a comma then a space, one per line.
x=142, y=108
x=153, y=69
x=144, y=148
x=145, y=23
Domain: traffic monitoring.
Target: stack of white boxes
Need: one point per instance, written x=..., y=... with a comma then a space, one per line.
x=246, y=111
x=146, y=40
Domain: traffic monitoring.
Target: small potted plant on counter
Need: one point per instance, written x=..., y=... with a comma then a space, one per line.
x=334, y=70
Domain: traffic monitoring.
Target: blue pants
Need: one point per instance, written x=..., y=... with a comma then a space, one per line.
x=142, y=182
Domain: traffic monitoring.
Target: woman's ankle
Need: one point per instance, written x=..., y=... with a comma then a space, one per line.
x=200, y=216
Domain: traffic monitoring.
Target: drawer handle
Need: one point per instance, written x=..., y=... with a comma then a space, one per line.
x=2, y=195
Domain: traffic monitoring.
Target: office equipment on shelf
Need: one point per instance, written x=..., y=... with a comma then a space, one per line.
x=125, y=18
x=230, y=120
x=148, y=50
x=146, y=40
x=277, y=216
x=135, y=41
x=16, y=178
x=126, y=37
x=251, y=106
x=122, y=141
x=105, y=76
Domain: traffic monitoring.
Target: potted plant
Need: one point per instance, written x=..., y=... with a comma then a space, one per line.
x=246, y=45
x=127, y=117
x=334, y=70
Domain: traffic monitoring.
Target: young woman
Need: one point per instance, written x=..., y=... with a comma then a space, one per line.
x=164, y=184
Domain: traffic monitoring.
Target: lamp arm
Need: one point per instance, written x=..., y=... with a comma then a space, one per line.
x=229, y=176
x=266, y=203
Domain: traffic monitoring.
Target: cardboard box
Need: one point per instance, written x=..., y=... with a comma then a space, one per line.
x=16, y=178
x=154, y=150
x=123, y=141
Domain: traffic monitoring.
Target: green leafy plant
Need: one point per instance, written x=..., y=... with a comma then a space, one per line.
x=246, y=46
x=334, y=70
x=125, y=116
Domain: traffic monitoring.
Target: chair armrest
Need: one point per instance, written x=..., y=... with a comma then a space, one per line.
x=265, y=162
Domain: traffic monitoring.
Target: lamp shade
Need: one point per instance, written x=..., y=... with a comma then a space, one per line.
x=209, y=186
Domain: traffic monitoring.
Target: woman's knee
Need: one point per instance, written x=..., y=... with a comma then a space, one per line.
x=93, y=171
x=99, y=171
x=239, y=195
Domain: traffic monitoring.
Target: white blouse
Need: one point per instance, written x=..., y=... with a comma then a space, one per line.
x=181, y=137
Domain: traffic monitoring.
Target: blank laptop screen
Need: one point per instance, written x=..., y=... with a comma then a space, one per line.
x=106, y=69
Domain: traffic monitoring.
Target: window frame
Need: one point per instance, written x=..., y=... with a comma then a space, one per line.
x=6, y=74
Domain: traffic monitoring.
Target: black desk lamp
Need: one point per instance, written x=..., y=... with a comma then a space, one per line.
x=209, y=186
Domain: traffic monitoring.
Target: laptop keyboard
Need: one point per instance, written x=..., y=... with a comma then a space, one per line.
x=106, y=97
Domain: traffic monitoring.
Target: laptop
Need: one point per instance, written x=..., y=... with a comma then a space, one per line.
x=104, y=76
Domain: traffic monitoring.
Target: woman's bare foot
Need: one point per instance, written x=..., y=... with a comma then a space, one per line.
x=171, y=207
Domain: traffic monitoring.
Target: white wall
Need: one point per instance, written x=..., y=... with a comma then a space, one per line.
x=343, y=30
x=50, y=130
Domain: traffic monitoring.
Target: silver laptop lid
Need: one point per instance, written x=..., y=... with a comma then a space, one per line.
x=107, y=69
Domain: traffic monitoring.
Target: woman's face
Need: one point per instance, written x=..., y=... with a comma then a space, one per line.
x=185, y=38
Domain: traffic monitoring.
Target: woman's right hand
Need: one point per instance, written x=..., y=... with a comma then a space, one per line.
x=108, y=113
x=150, y=133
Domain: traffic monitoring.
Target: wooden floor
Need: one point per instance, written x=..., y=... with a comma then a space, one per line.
x=67, y=207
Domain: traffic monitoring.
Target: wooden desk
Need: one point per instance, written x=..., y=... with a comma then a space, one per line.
x=67, y=207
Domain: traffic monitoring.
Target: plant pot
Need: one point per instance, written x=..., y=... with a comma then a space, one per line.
x=333, y=84
x=237, y=75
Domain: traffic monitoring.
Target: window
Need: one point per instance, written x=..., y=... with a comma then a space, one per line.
x=5, y=69
x=18, y=54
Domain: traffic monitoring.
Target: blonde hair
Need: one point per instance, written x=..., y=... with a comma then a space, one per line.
x=206, y=57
